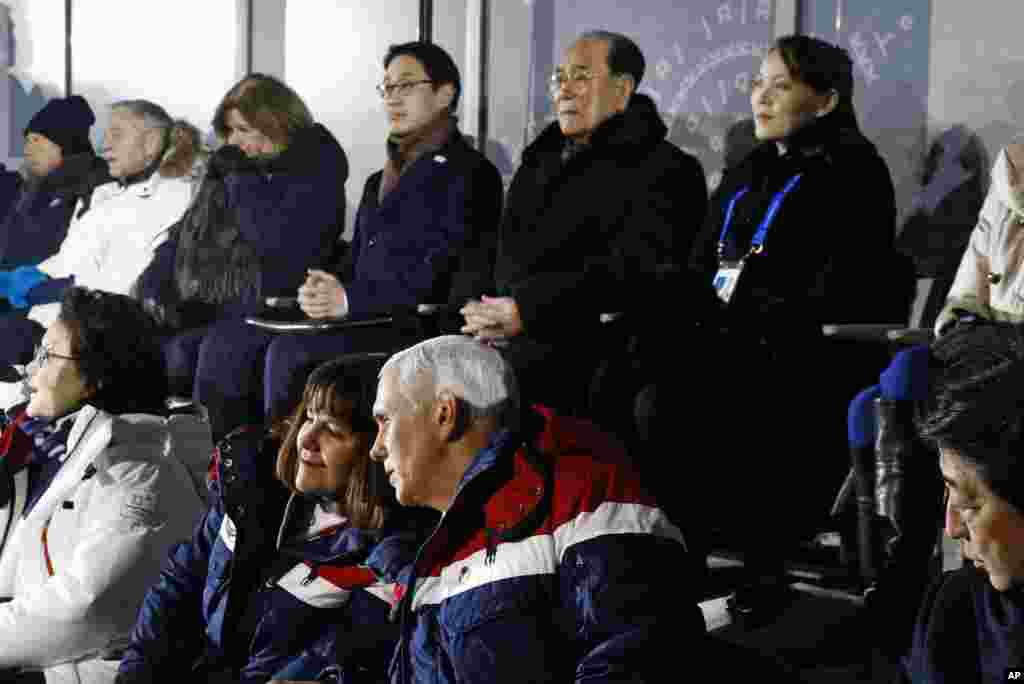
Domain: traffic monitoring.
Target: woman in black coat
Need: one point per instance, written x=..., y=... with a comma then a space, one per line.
x=793, y=239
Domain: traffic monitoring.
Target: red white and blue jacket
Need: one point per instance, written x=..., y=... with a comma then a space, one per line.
x=552, y=564
x=237, y=604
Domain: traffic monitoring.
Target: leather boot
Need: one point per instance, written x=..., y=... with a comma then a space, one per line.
x=862, y=459
x=894, y=441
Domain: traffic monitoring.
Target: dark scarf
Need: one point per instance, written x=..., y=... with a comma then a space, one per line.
x=571, y=149
x=74, y=180
x=405, y=149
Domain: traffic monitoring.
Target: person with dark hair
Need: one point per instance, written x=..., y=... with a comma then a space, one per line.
x=971, y=624
x=285, y=582
x=435, y=198
x=785, y=259
x=60, y=169
x=271, y=205
x=98, y=483
x=115, y=228
x=600, y=201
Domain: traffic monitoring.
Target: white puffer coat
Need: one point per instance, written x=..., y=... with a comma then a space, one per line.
x=112, y=243
x=78, y=565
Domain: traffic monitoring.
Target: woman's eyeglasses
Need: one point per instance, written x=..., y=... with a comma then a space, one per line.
x=42, y=355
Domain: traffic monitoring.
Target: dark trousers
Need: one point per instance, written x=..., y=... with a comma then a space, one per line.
x=18, y=337
x=291, y=357
x=247, y=375
x=181, y=352
x=229, y=374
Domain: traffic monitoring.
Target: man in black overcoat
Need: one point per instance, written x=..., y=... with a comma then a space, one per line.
x=600, y=202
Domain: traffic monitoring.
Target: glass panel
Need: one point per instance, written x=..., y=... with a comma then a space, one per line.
x=183, y=58
x=333, y=54
x=32, y=42
x=700, y=57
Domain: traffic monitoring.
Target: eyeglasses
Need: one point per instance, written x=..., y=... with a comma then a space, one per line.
x=386, y=90
x=42, y=355
x=577, y=78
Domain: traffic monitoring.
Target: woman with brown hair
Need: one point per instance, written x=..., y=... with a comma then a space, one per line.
x=285, y=582
x=271, y=205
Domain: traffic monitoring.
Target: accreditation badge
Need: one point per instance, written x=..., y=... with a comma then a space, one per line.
x=727, y=278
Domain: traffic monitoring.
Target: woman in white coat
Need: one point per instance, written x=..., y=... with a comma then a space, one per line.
x=99, y=484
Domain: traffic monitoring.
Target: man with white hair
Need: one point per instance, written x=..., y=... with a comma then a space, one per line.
x=551, y=563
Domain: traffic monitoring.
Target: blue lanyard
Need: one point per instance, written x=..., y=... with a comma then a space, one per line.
x=761, y=234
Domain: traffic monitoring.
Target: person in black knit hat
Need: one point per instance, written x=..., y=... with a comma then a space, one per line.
x=60, y=168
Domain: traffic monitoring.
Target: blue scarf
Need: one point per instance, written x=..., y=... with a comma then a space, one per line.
x=49, y=447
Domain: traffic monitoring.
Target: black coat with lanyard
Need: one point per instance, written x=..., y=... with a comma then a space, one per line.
x=825, y=213
x=824, y=216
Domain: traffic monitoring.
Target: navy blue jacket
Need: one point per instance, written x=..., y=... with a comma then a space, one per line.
x=235, y=604
x=294, y=213
x=551, y=565
x=290, y=211
x=406, y=249
x=40, y=213
x=967, y=631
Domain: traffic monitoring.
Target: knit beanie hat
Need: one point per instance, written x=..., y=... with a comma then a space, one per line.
x=65, y=122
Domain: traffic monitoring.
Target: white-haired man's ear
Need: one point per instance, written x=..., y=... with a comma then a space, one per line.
x=451, y=416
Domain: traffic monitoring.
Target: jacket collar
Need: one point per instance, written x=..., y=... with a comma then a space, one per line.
x=143, y=189
x=502, y=442
x=78, y=175
x=303, y=155
x=343, y=543
x=637, y=128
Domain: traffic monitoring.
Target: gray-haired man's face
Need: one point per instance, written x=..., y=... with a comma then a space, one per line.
x=407, y=443
x=127, y=146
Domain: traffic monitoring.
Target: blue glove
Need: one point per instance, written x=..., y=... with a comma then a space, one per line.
x=19, y=282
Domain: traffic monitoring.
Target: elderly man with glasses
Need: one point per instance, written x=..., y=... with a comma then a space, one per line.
x=600, y=201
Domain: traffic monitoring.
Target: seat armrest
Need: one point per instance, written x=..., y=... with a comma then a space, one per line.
x=866, y=332
x=316, y=325
x=911, y=337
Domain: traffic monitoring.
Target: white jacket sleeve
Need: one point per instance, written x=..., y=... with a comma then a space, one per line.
x=970, y=289
x=66, y=261
x=103, y=562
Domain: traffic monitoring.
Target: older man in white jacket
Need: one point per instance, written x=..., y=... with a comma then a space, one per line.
x=106, y=248
x=97, y=495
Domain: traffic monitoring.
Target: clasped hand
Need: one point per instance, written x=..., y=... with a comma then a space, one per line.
x=492, y=318
x=322, y=295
